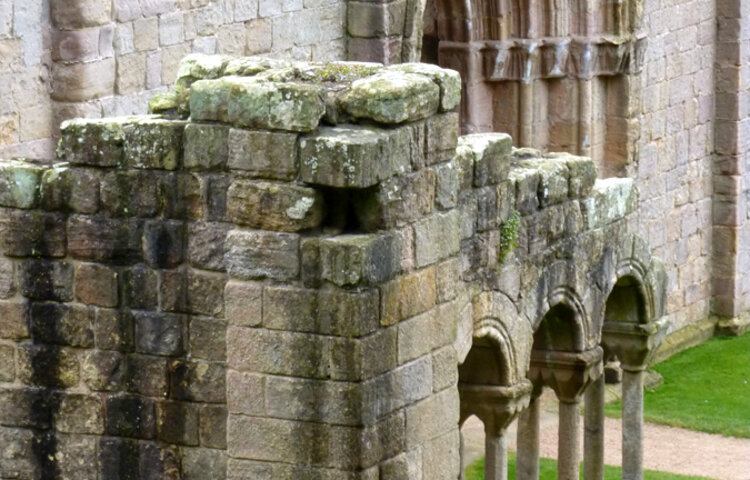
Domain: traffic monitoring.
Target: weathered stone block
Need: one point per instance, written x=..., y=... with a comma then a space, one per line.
x=139, y=287
x=350, y=156
x=392, y=97
x=118, y=458
x=146, y=375
x=102, y=370
x=163, y=243
x=264, y=154
x=24, y=407
x=177, y=422
x=611, y=200
x=96, y=285
x=159, y=333
x=491, y=154
x=130, y=416
x=54, y=323
x=46, y=280
x=19, y=184
x=442, y=411
x=418, y=336
x=206, y=146
x=205, y=244
x=78, y=413
x=99, y=238
x=192, y=291
x=554, y=176
x=246, y=393
x=407, y=296
x=7, y=363
x=32, y=234
x=7, y=278
x=437, y=238
x=113, y=330
x=129, y=193
x=350, y=314
x=67, y=189
x=441, y=137
x=396, y=201
x=249, y=102
x=157, y=461
x=198, y=381
x=448, y=80
x=447, y=178
x=309, y=262
x=526, y=185
x=258, y=254
x=213, y=426
x=79, y=82
x=96, y=142
x=153, y=143
x=374, y=19
x=14, y=319
x=75, y=14
x=397, y=388
x=243, y=303
x=76, y=456
x=355, y=259
x=201, y=463
x=207, y=339
x=274, y=206
x=48, y=366
x=583, y=175
x=302, y=399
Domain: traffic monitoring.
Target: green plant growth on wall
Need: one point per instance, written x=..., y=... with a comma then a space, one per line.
x=508, y=236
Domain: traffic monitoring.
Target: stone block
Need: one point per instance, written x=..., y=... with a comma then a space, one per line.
x=79, y=413
x=60, y=324
x=96, y=285
x=139, y=287
x=163, y=243
x=392, y=97
x=79, y=82
x=243, y=303
x=76, y=14
x=246, y=393
x=158, y=462
x=313, y=400
x=263, y=154
x=448, y=80
x=126, y=10
x=407, y=296
x=146, y=33
x=277, y=352
x=48, y=366
x=177, y=422
x=367, y=19
x=397, y=388
x=19, y=184
x=129, y=193
x=396, y=201
x=118, y=458
x=405, y=465
x=583, y=174
x=348, y=313
x=207, y=339
x=24, y=407
x=444, y=371
x=437, y=238
x=274, y=206
x=192, y=291
x=309, y=262
x=7, y=363
x=448, y=277
x=290, y=309
x=359, y=259
x=447, y=178
x=76, y=456
x=418, y=336
x=491, y=156
x=525, y=183
x=7, y=278
x=113, y=330
x=201, y=463
x=350, y=156
x=611, y=200
x=441, y=456
x=146, y=375
x=131, y=73
x=66, y=189
x=14, y=319
x=31, y=234
x=46, y=280
x=159, y=333
x=100, y=238
x=554, y=176
x=258, y=254
x=171, y=28
x=102, y=370
x=198, y=381
x=206, y=146
x=441, y=137
x=95, y=142
x=432, y=417
x=248, y=102
x=205, y=245
x=153, y=143
x=213, y=426
x=130, y=416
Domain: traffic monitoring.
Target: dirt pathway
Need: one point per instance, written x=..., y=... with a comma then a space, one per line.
x=665, y=448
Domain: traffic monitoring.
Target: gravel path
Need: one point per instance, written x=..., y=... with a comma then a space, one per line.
x=666, y=448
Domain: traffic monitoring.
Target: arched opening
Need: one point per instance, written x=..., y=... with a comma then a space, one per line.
x=484, y=365
x=626, y=303
x=559, y=331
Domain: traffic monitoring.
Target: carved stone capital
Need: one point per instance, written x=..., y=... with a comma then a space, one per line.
x=495, y=405
x=634, y=343
x=567, y=373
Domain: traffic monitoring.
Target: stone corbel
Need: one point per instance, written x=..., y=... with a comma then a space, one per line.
x=634, y=343
x=496, y=406
x=567, y=373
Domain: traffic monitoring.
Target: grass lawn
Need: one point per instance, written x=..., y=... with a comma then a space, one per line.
x=706, y=388
x=548, y=471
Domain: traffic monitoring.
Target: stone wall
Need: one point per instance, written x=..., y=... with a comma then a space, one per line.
x=285, y=285
x=99, y=58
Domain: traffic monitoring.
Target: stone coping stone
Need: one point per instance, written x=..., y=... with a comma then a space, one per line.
x=611, y=200
x=449, y=81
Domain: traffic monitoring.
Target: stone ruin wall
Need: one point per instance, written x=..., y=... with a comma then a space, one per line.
x=250, y=294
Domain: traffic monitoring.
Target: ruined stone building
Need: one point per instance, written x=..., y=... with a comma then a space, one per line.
x=221, y=266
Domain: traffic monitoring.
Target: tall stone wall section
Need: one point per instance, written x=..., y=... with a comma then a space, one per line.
x=674, y=107
x=93, y=58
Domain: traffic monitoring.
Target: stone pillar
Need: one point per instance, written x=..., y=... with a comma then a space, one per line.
x=568, y=374
x=527, y=443
x=634, y=344
x=593, y=431
x=497, y=406
x=632, y=425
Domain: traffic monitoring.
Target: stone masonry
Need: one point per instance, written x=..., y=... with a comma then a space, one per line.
x=294, y=270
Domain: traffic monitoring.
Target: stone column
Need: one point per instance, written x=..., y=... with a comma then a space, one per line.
x=632, y=425
x=568, y=374
x=497, y=406
x=527, y=443
x=593, y=431
x=634, y=344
